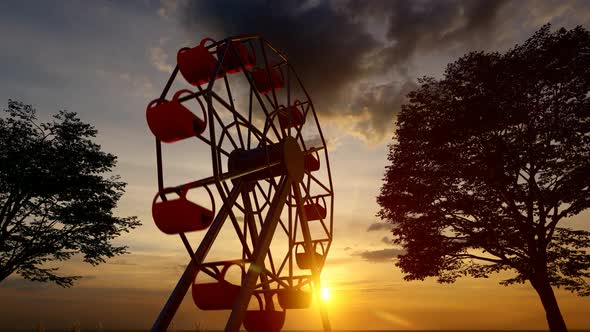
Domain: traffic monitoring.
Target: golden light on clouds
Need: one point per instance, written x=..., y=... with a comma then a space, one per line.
x=395, y=319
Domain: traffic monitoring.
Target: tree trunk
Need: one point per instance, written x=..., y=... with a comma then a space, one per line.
x=5, y=272
x=552, y=312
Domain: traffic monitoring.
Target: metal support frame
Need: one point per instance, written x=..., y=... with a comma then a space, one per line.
x=260, y=250
x=249, y=219
x=163, y=321
x=311, y=251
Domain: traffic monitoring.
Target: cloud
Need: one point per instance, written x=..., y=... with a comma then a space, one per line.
x=325, y=47
x=395, y=319
x=339, y=260
x=167, y=8
x=20, y=72
x=379, y=101
x=121, y=262
x=18, y=283
x=136, y=85
x=379, y=256
x=365, y=286
x=23, y=284
x=338, y=46
x=159, y=59
x=386, y=240
x=422, y=26
x=379, y=226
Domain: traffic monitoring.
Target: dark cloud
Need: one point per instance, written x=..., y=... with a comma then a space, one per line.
x=325, y=47
x=378, y=256
x=379, y=226
x=380, y=101
x=386, y=240
x=332, y=50
x=414, y=26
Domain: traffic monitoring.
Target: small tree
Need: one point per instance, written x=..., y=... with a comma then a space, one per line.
x=54, y=200
x=489, y=160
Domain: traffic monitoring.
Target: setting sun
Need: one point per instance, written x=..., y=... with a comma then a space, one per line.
x=325, y=293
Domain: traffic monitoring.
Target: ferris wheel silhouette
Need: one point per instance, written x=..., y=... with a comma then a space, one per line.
x=270, y=171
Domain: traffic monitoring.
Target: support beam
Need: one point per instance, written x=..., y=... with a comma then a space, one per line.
x=249, y=216
x=310, y=250
x=259, y=254
x=163, y=321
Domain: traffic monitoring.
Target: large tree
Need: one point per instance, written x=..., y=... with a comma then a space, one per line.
x=56, y=195
x=489, y=161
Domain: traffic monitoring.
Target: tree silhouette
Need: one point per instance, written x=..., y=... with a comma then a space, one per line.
x=489, y=160
x=54, y=200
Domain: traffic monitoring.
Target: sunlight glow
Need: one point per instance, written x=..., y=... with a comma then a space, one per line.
x=325, y=294
x=395, y=319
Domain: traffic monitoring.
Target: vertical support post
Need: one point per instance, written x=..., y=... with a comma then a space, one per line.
x=249, y=216
x=163, y=321
x=159, y=166
x=260, y=251
x=310, y=250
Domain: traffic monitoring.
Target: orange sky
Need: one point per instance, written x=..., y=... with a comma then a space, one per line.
x=106, y=60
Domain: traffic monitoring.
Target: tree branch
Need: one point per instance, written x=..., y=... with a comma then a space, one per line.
x=5, y=209
x=497, y=261
x=553, y=224
x=26, y=215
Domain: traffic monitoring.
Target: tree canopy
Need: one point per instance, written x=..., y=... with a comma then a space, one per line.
x=56, y=195
x=489, y=161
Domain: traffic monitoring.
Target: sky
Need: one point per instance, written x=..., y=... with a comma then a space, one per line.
x=106, y=60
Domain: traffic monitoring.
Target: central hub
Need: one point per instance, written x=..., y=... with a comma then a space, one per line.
x=282, y=158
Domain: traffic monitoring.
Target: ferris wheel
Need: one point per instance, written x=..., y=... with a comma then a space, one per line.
x=269, y=170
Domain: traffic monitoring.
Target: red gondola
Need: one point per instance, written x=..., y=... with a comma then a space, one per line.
x=291, y=117
x=170, y=121
x=180, y=215
x=263, y=320
x=264, y=83
x=197, y=64
x=293, y=298
x=315, y=210
x=231, y=61
x=303, y=258
x=311, y=163
x=219, y=295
